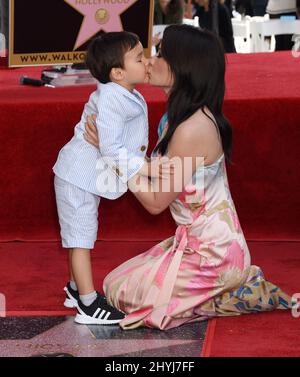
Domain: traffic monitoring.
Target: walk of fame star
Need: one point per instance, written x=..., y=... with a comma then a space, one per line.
x=98, y=17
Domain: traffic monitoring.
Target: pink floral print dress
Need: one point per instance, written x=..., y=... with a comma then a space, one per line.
x=204, y=270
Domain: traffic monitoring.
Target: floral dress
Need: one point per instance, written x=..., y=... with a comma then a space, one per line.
x=204, y=270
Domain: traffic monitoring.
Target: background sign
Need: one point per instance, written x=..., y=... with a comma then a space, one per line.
x=51, y=32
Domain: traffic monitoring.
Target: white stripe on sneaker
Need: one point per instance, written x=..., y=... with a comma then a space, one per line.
x=96, y=312
x=101, y=314
x=107, y=315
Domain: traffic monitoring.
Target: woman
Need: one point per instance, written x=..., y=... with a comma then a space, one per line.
x=204, y=12
x=204, y=269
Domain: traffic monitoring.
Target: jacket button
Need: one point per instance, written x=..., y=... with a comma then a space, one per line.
x=118, y=172
x=143, y=148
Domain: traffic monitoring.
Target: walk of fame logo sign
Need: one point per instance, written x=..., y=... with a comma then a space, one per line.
x=52, y=32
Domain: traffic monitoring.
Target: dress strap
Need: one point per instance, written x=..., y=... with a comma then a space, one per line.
x=176, y=253
x=162, y=124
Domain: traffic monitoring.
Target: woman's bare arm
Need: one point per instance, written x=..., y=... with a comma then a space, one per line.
x=184, y=151
x=152, y=168
x=195, y=143
x=91, y=134
x=192, y=143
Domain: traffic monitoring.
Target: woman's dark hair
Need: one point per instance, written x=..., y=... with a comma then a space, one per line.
x=107, y=51
x=197, y=63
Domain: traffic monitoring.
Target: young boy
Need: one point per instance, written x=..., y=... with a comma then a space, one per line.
x=84, y=174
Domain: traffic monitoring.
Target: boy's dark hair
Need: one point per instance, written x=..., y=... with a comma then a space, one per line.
x=107, y=51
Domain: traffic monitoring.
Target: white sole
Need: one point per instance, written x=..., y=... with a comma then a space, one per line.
x=70, y=302
x=85, y=320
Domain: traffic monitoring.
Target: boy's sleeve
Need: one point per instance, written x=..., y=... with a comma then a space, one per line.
x=110, y=124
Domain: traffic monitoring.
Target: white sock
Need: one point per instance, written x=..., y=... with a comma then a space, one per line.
x=87, y=300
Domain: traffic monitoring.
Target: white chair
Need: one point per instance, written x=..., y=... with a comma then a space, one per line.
x=296, y=47
x=191, y=21
x=2, y=46
x=269, y=28
x=241, y=35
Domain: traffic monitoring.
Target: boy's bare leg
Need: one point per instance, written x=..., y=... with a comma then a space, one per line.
x=70, y=265
x=81, y=268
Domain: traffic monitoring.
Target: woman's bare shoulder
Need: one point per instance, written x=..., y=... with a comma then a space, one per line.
x=199, y=133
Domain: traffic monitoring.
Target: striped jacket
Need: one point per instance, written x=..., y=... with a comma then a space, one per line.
x=122, y=123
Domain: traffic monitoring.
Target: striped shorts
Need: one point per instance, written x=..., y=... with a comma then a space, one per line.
x=78, y=215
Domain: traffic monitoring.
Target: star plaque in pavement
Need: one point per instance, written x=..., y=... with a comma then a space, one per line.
x=98, y=15
x=48, y=335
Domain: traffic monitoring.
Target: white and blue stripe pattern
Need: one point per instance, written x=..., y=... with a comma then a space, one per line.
x=78, y=215
x=122, y=123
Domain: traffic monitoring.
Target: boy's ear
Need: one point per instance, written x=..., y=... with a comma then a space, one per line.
x=117, y=74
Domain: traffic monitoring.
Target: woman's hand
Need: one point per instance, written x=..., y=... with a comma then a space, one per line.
x=157, y=168
x=91, y=134
x=161, y=168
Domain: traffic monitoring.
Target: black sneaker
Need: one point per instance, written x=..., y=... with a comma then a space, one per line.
x=72, y=297
x=98, y=313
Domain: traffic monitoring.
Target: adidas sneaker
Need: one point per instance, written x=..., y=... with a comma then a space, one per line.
x=98, y=313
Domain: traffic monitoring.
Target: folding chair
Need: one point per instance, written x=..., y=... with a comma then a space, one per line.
x=260, y=30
